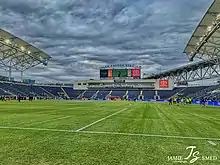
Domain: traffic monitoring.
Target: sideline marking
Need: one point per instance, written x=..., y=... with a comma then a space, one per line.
x=112, y=133
x=35, y=129
x=89, y=125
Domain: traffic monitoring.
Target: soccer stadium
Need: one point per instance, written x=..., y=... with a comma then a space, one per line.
x=124, y=117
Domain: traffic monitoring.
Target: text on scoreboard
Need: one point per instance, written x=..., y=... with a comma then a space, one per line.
x=123, y=73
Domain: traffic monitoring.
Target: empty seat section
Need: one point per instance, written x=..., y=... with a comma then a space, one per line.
x=148, y=94
x=10, y=88
x=54, y=90
x=89, y=93
x=119, y=93
x=165, y=94
x=102, y=94
x=133, y=94
x=73, y=94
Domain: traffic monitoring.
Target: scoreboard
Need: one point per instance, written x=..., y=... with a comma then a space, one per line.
x=131, y=73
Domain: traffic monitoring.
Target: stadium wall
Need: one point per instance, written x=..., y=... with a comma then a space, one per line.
x=157, y=84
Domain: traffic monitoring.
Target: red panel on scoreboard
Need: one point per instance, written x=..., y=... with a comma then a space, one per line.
x=109, y=73
x=136, y=72
x=163, y=83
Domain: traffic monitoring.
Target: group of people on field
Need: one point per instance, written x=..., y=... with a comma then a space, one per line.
x=5, y=98
x=19, y=98
x=179, y=100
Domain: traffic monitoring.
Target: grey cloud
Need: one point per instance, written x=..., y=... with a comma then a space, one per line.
x=83, y=35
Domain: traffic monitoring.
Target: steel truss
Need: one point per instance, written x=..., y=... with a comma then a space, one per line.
x=11, y=56
x=211, y=47
x=209, y=72
x=190, y=73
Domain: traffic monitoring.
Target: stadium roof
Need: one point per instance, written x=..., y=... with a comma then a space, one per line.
x=18, y=54
x=205, y=41
x=190, y=67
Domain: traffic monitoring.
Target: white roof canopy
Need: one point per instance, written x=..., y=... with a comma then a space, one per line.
x=205, y=41
x=18, y=54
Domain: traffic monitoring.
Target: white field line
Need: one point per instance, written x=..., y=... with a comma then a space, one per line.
x=112, y=133
x=35, y=129
x=212, y=143
x=151, y=135
x=89, y=125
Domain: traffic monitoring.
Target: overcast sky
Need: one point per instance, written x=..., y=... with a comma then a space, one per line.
x=82, y=35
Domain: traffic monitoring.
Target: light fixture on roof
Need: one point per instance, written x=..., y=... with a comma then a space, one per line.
x=201, y=39
x=218, y=17
x=22, y=48
x=7, y=41
x=191, y=53
x=214, y=23
x=29, y=52
x=209, y=28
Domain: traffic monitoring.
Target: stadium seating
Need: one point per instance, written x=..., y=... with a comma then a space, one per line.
x=6, y=88
x=38, y=91
x=165, y=94
x=89, y=93
x=52, y=90
x=148, y=94
x=23, y=88
x=3, y=93
x=11, y=89
x=192, y=90
x=133, y=94
x=119, y=93
x=102, y=94
x=73, y=94
x=207, y=92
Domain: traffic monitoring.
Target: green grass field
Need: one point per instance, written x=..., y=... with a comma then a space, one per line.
x=112, y=133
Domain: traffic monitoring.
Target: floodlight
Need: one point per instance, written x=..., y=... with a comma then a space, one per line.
x=218, y=17
x=22, y=48
x=209, y=28
x=191, y=53
x=214, y=23
x=7, y=41
x=201, y=39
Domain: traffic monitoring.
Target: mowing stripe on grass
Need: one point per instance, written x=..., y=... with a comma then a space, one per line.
x=112, y=133
x=50, y=120
x=44, y=121
x=89, y=125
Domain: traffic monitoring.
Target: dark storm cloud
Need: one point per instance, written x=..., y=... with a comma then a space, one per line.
x=83, y=35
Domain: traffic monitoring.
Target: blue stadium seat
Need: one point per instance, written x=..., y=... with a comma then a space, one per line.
x=102, y=94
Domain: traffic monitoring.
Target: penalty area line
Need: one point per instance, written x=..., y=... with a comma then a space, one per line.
x=112, y=133
x=104, y=118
